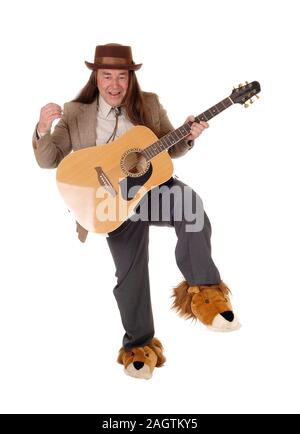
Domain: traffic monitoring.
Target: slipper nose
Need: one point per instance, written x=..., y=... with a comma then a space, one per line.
x=138, y=365
x=228, y=315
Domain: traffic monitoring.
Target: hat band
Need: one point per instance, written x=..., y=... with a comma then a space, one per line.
x=112, y=61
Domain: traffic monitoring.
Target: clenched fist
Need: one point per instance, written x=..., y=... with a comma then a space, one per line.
x=48, y=114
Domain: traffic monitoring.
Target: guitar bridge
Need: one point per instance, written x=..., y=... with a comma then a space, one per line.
x=105, y=182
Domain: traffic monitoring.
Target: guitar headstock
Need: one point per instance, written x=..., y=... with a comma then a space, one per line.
x=245, y=92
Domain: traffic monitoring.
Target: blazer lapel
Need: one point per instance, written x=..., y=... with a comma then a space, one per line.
x=86, y=122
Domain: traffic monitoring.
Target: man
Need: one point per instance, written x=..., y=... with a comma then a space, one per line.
x=110, y=103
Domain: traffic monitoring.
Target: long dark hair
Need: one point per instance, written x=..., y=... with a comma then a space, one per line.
x=133, y=101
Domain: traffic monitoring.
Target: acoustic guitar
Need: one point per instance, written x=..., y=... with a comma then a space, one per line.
x=103, y=185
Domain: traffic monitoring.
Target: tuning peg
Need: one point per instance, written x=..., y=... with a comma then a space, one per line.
x=246, y=82
x=248, y=103
x=257, y=96
x=241, y=85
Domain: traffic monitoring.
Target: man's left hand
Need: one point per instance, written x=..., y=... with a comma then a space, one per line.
x=196, y=128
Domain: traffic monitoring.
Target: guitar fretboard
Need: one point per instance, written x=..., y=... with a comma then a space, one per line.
x=182, y=132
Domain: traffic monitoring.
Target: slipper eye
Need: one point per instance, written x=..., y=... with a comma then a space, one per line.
x=147, y=355
x=132, y=353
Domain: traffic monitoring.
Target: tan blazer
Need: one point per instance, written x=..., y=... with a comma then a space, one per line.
x=77, y=130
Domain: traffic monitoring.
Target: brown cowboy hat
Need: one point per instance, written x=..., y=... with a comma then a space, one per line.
x=113, y=56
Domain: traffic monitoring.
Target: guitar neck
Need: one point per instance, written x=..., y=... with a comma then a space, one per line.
x=171, y=139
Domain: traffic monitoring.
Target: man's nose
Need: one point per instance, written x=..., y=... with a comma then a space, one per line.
x=115, y=82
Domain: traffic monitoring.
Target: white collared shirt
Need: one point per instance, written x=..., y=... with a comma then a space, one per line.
x=106, y=121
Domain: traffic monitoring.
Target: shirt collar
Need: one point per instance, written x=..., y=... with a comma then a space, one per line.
x=104, y=108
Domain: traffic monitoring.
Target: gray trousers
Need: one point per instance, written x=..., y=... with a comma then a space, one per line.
x=129, y=247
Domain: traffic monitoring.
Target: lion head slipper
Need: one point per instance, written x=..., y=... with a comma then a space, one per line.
x=210, y=304
x=139, y=362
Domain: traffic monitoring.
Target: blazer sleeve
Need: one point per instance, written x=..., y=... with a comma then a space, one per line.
x=50, y=149
x=166, y=127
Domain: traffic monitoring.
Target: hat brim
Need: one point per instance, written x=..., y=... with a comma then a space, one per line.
x=95, y=66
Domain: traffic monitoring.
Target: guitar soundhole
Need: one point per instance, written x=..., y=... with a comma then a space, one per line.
x=134, y=163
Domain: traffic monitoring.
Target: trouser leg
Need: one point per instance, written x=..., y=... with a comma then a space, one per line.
x=129, y=248
x=193, y=249
x=193, y=255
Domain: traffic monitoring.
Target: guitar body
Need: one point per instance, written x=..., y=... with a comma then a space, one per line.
x=102, y=185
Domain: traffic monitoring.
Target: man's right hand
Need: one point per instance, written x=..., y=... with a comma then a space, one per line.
x=48, y=114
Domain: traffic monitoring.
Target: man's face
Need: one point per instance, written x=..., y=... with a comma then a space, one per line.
x=113, y=85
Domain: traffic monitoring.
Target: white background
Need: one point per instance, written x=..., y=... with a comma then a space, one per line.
x=60, y=330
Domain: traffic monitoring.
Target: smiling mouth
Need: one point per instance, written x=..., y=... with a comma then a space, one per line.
x=114, y=94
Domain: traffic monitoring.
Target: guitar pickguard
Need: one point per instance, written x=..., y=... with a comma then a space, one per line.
x=130, y=185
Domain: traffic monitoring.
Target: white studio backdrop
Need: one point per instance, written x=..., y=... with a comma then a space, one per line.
x=60, y=326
